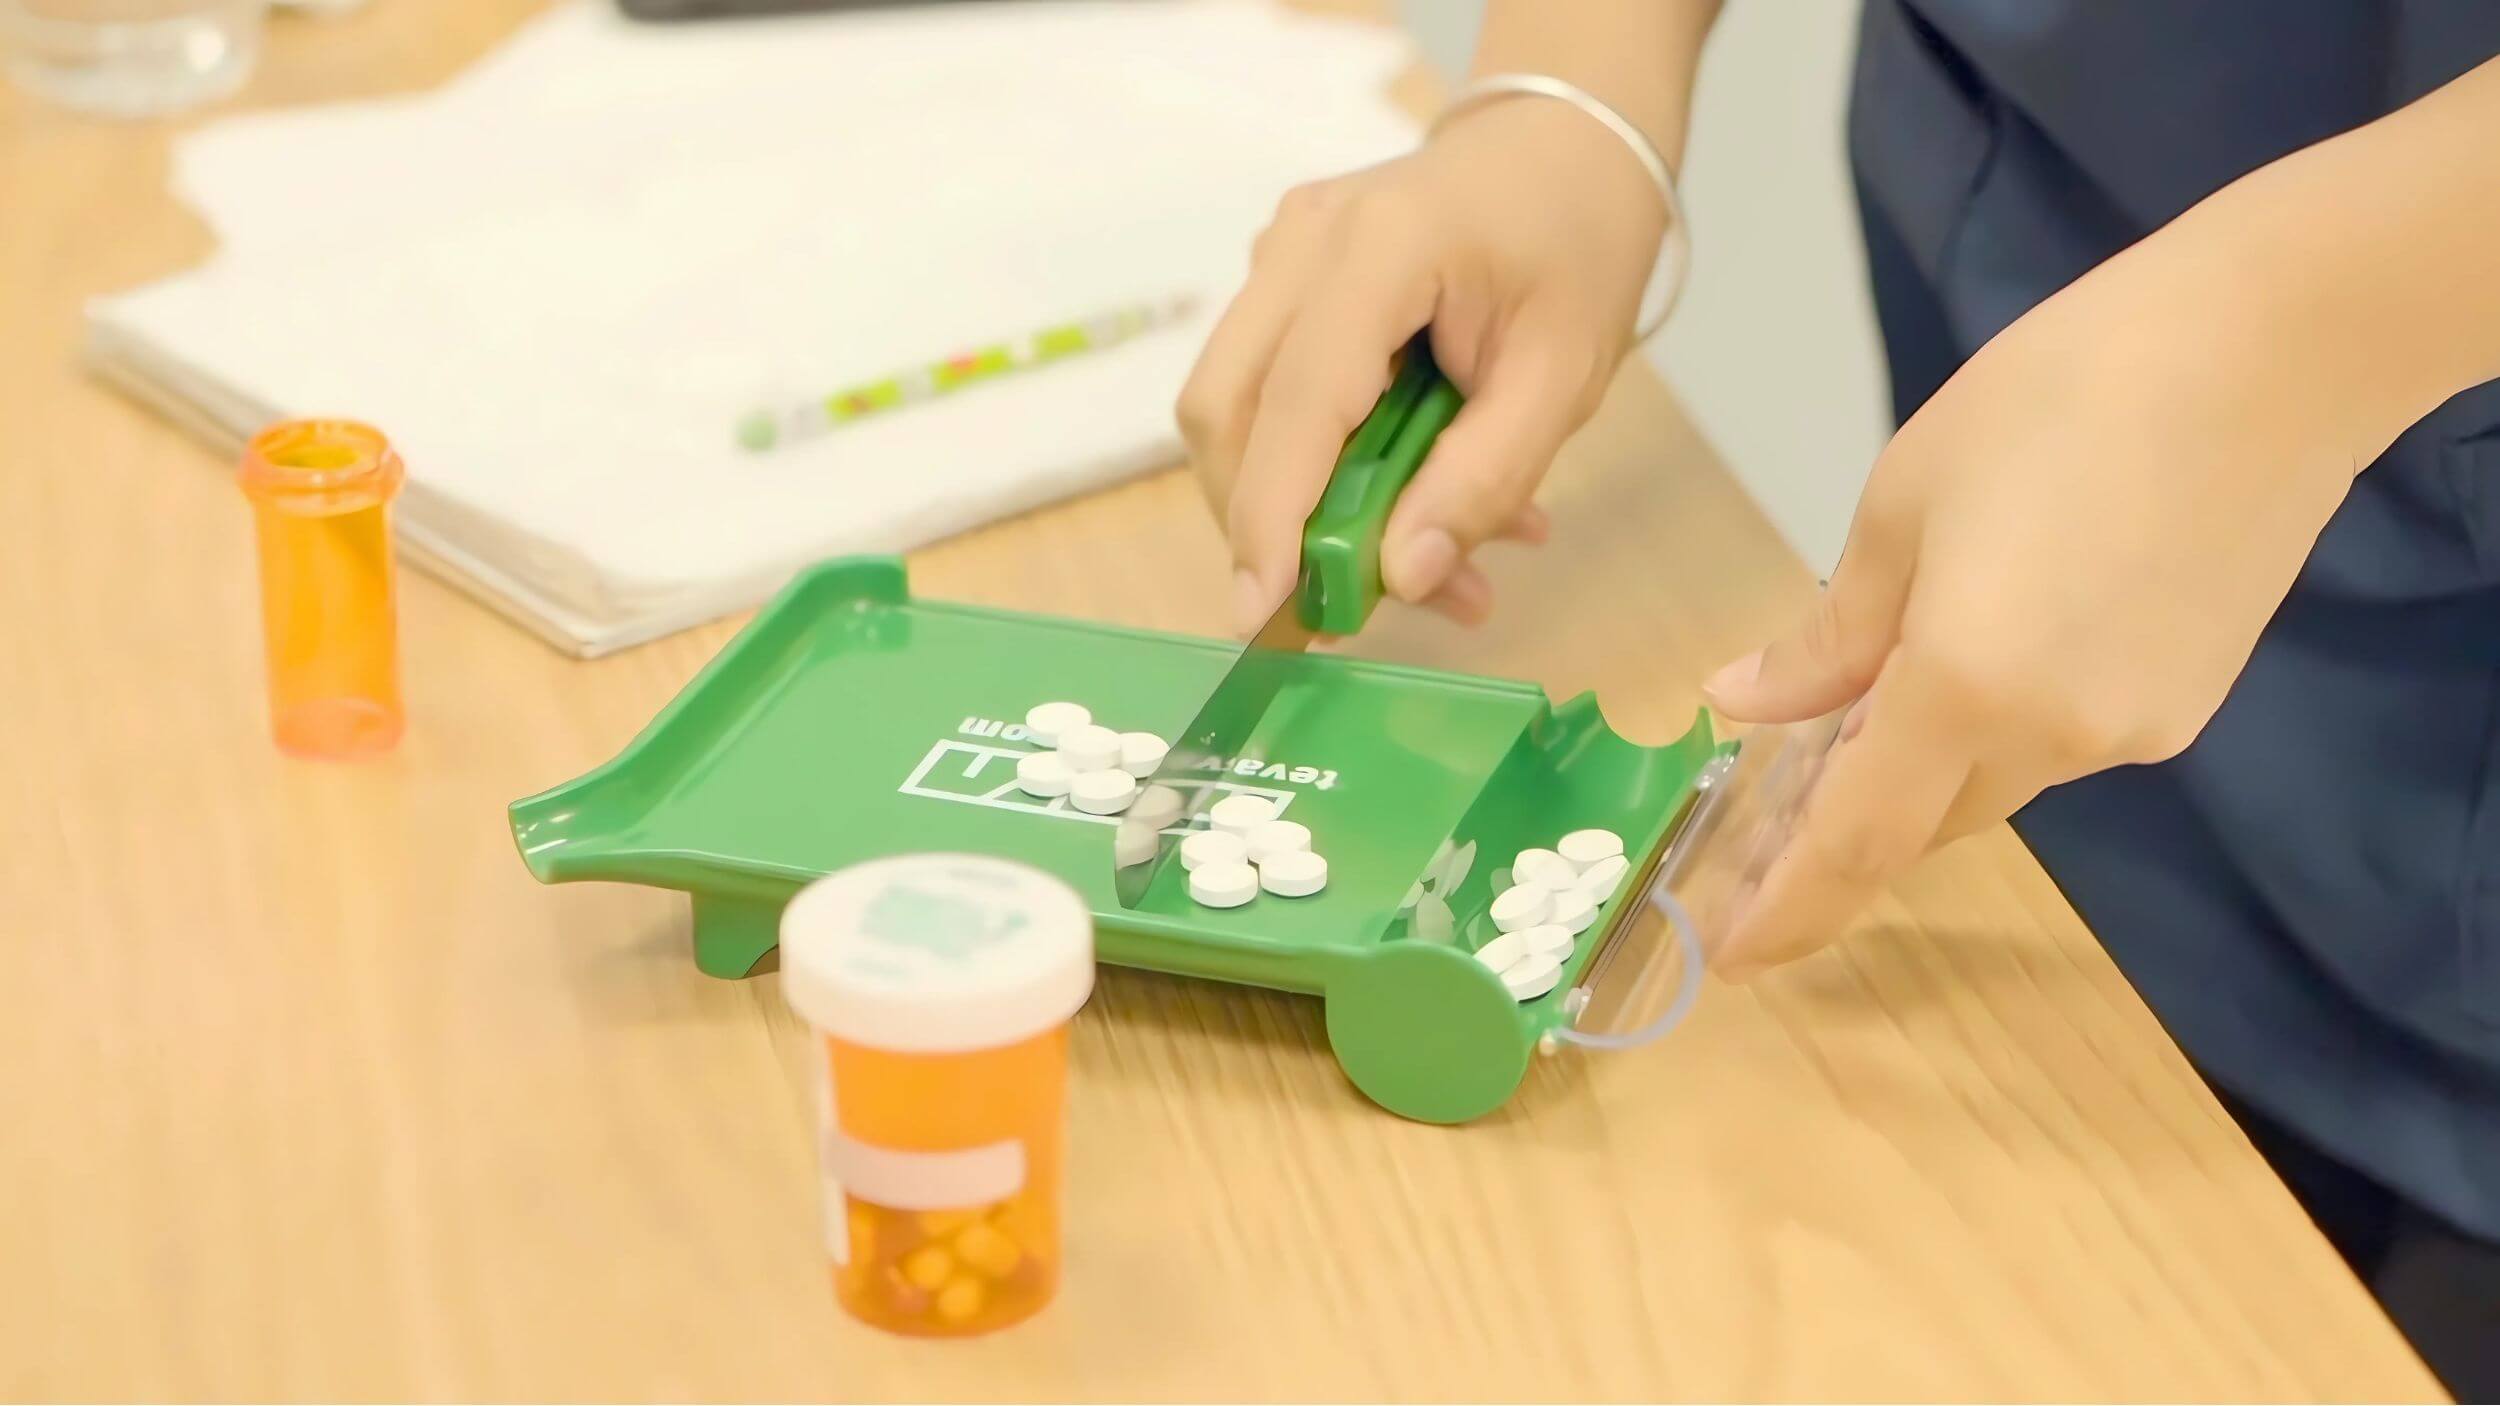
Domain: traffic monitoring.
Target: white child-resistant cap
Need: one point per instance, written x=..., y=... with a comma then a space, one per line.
x=936, y=953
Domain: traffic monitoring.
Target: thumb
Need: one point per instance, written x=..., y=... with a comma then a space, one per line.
x=1484, y=467
x=1829, y=658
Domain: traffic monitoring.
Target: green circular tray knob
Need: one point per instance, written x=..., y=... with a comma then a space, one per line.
x=1428, y=1032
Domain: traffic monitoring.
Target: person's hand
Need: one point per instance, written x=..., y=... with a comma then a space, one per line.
x=2059, y=565
x=1522, y=235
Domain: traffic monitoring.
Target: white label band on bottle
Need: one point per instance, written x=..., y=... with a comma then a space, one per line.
x=925, y=1181
x=837, y=1205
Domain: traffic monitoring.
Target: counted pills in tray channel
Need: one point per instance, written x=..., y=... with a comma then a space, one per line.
x=1091, y=747
x=1572, y=910
x=1224, y=885
x=1102, y=792
x=1586, y=847
x=1295, y=873
x=1213, y=847
x=1546, y=940
x=1526, y=971
x=1522, y=907
x=1600, y=880
x=1046, y=723
x=1241, y=814
x=1544, y=868
x=1043, y=774
x=1277, y=837
x=1532, y=976
x=1504, y=951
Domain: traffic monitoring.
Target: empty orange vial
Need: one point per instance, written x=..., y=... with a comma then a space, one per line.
x=939, y=989
x=321, y=502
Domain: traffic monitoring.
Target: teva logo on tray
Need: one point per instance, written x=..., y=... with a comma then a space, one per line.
x=983, y=774
x=993, y=727
x=1248, y=768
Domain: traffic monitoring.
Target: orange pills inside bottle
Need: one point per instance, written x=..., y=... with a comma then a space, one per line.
x=938, y=989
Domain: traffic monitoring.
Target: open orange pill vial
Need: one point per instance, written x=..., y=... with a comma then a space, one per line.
x=938, y=989
x=321, y=498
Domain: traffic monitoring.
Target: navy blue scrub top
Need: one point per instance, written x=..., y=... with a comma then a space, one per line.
x=2309, y=897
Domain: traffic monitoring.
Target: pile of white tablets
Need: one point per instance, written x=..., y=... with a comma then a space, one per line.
x=1100, y=771
x=1246, y=849
x=1553, y=897
x=1097, y=769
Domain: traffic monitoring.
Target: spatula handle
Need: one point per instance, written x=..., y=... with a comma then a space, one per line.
x=1340, y=582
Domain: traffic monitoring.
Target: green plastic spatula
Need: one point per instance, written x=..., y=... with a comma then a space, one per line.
x=1337, y=591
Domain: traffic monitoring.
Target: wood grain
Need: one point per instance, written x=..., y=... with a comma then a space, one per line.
x=310, y=1092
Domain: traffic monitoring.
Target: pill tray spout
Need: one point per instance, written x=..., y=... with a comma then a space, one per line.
x=562, y=838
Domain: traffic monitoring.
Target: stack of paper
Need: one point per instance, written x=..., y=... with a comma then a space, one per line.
x=559, y=282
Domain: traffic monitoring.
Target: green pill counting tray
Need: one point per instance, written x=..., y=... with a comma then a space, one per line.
x=850, y=721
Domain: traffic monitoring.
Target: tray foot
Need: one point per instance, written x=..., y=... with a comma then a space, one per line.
x=731, y=935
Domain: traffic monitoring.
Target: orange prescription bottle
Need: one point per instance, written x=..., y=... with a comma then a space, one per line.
x=321, y=495
x=938, y=988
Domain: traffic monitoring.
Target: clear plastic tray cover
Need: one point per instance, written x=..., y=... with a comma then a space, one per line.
x=1744, y=808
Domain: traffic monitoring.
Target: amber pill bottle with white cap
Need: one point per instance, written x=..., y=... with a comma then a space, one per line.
x=938, y=989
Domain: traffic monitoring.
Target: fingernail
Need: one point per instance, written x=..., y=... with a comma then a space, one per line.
x=1416, y=567
x=1250, y=603
x=1737, y=675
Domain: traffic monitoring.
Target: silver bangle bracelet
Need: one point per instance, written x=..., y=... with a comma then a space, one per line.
x=1666, y=280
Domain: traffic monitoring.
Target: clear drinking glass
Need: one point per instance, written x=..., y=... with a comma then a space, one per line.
x=130, y=58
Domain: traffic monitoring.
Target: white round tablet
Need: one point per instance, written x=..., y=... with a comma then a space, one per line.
x=1090, y=747
x=1600, y=880
x=1542, y=867
x=1277, y=837
x=1141, y=753
x=1546, y=940
x=1224, y=885
x=1572, y=911
x=1046, y=723
x=1102, y=792
x=1532, y=978
x=1585, y=847
x=1213, y=847
x=1043, y=774
x=1241, y=814
x=1132, y=844
x=1522, y=907
x=1293, y=874
x=1504, y=952
x=1157, y=806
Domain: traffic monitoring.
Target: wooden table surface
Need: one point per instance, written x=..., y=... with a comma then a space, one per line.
x=310, y=1092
